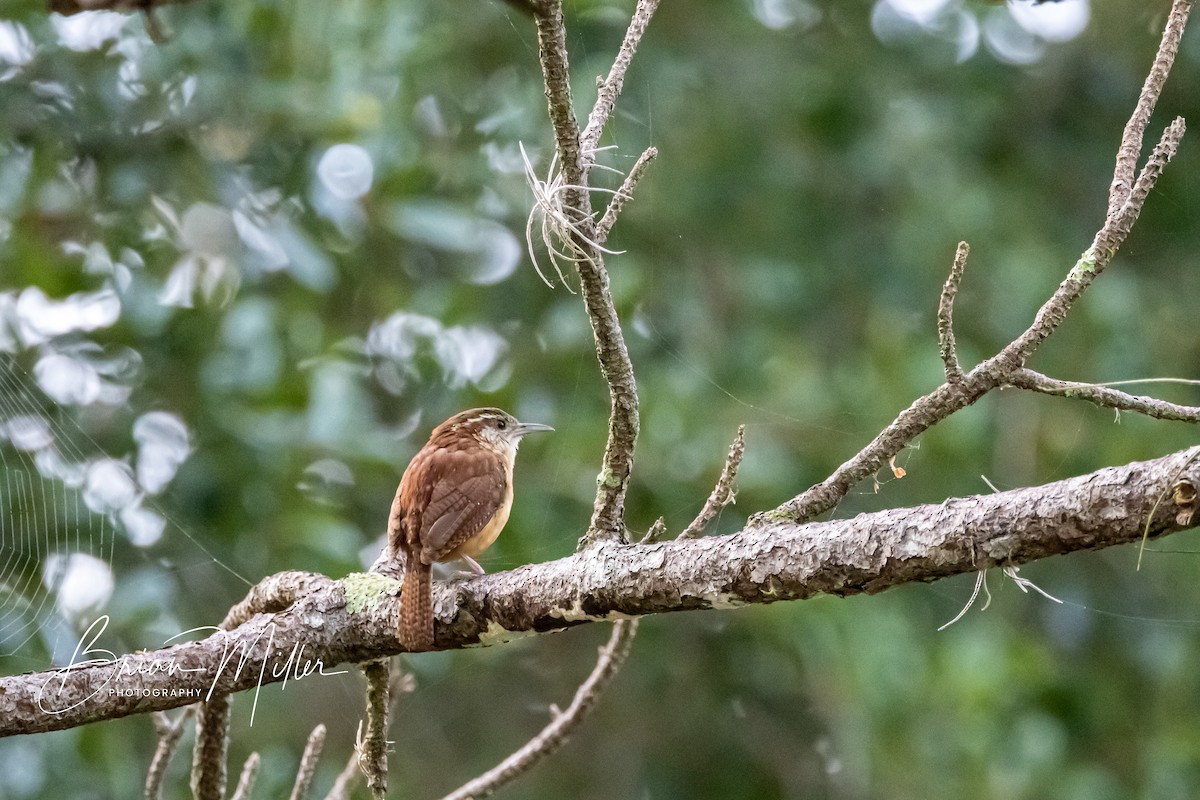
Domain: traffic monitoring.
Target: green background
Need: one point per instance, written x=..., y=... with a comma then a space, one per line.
x=783, y=259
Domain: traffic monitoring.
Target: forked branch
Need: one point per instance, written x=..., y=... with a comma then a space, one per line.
x=1127, y=196
x=610, y=87
x=1135, y=130
x=573, y=155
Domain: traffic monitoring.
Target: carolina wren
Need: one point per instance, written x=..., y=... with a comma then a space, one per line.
x=452, y=502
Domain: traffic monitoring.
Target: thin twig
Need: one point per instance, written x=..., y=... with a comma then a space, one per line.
x=624, y=194
x=1120, y=222
x=372, y=758
x=722, y=494
x=656, y=532
x=1162, y=154
x=245, y=784
x=610, y=87
x=1135, y=130
x=1103, y=396
x=945, y=315
x=308, y=763
x=346, y=780
x=555, y=734
x=169, y=733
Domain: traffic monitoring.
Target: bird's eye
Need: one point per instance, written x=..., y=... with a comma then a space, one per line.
x=502, y=424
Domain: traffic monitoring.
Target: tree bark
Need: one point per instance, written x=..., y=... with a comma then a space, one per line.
x=769, y=561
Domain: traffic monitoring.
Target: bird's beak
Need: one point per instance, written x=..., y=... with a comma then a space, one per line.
x=529, y=427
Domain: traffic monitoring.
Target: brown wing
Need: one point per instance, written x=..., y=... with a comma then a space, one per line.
x=462, y=492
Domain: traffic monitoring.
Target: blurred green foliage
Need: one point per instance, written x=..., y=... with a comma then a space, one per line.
x=781, y=267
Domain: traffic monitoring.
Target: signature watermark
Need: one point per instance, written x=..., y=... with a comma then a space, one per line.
x=95, y=673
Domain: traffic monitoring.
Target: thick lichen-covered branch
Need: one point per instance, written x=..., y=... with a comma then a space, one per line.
x=773, y=560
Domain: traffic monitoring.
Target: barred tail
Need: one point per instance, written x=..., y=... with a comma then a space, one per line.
x=416, y=605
